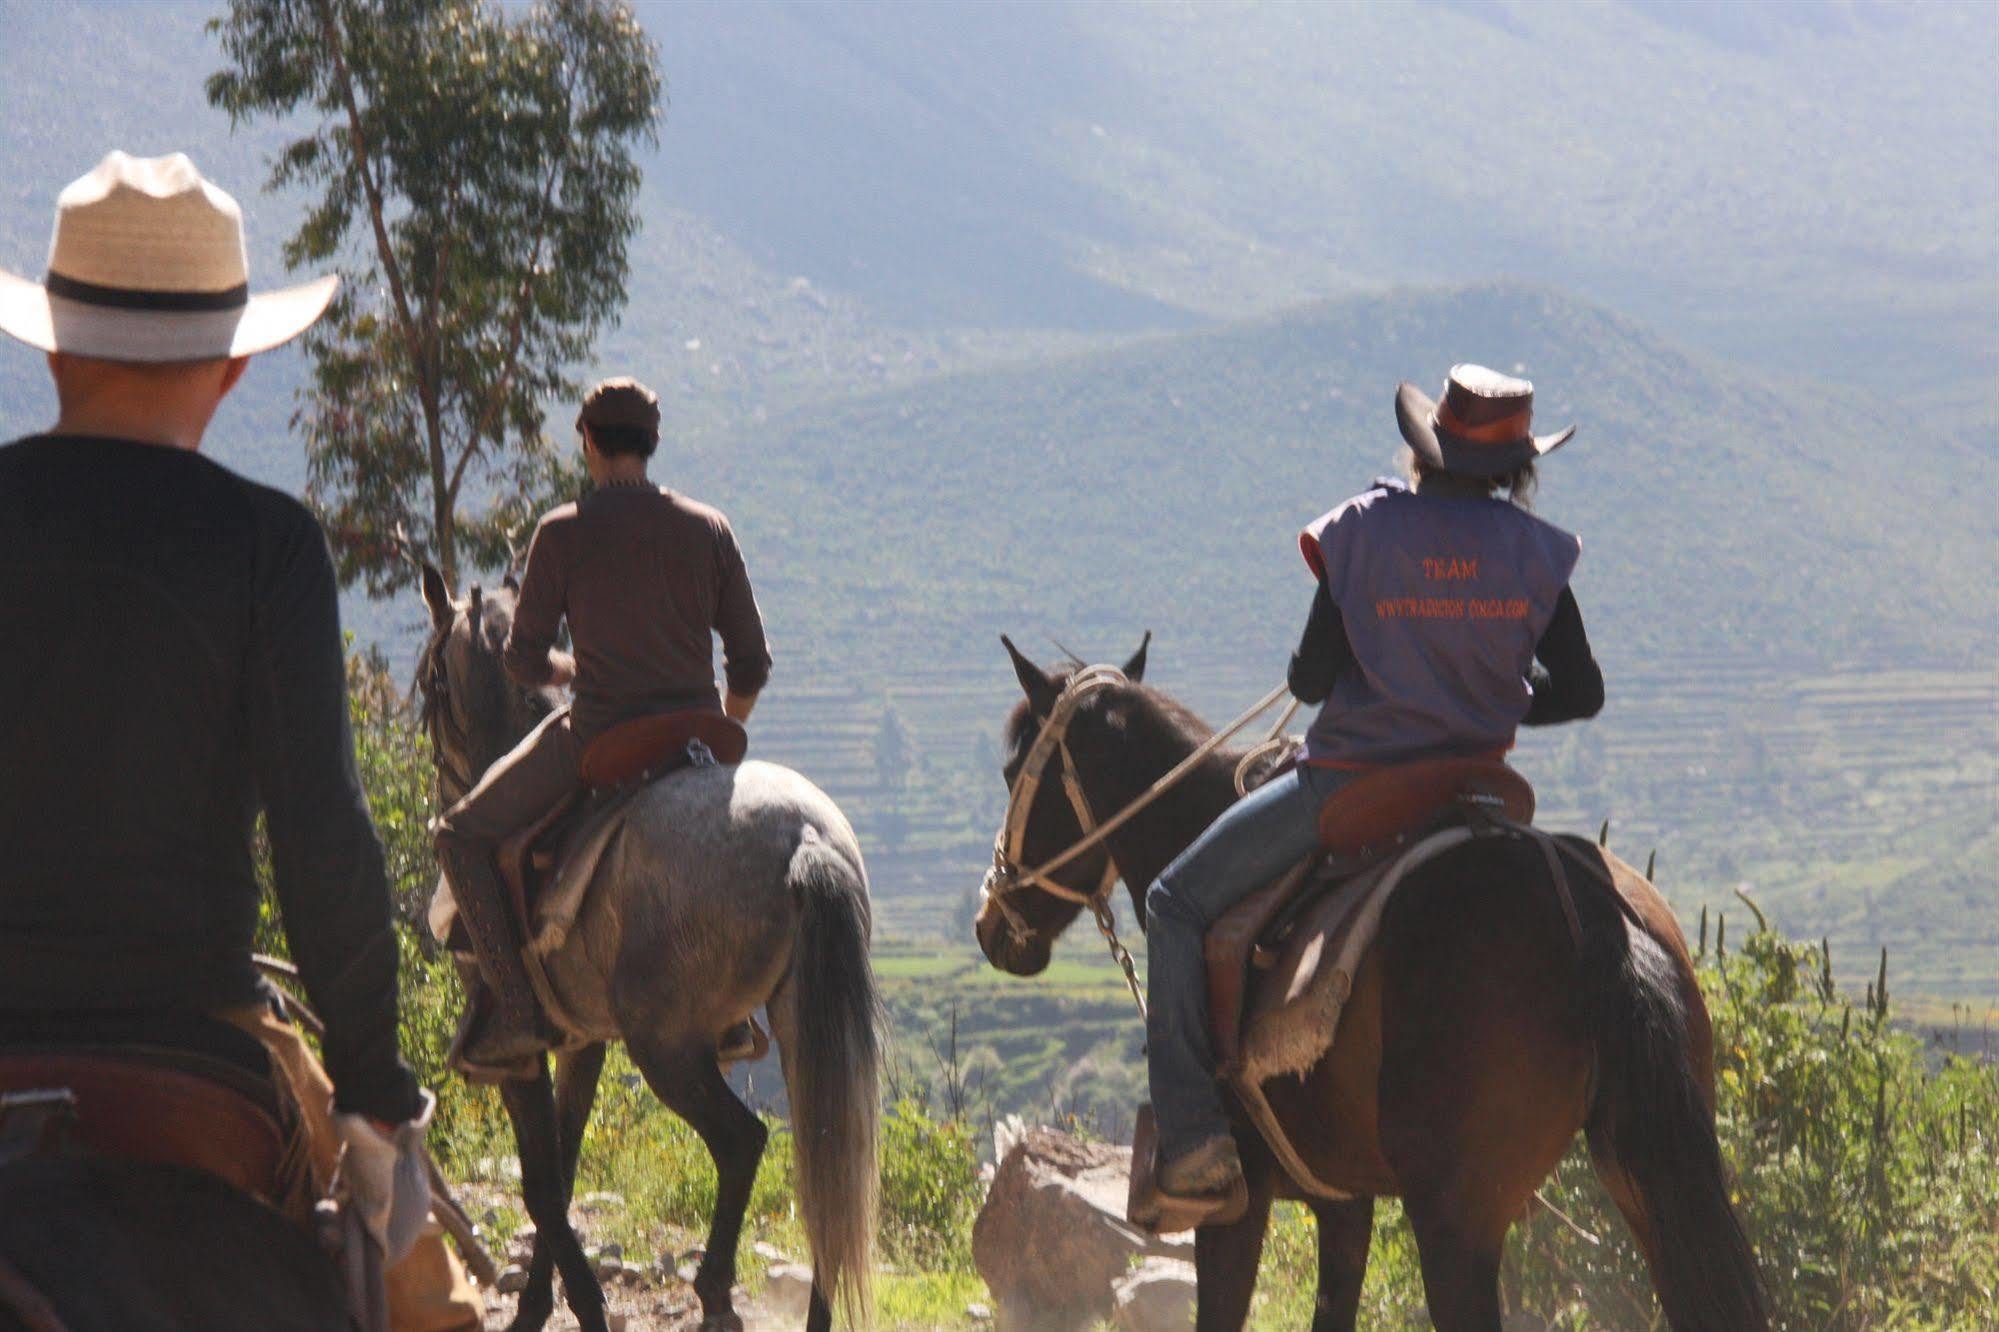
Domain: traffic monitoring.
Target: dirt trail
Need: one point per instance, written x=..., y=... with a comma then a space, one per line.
x=673, y=1310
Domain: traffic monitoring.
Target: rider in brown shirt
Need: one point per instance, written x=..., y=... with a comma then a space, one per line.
x=645, y=579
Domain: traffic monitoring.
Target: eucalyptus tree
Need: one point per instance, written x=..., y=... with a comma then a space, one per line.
x=473, y=177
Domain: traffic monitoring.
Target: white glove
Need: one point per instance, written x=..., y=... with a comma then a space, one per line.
x=385, y=1178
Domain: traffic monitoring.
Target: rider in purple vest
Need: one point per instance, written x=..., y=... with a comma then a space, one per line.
x=1442, y=621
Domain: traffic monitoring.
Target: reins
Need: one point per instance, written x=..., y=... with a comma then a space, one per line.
x=1006, y=877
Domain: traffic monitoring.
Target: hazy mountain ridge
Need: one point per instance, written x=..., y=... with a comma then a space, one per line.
x=1797, y=188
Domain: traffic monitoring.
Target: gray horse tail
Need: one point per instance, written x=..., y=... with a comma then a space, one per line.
x=832, y=1070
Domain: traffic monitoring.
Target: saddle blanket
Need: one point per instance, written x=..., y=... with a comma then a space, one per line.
x=559, y=903
x=1293, y=1009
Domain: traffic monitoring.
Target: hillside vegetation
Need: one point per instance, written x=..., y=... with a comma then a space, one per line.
x=896, y=288
x=1866, y=1160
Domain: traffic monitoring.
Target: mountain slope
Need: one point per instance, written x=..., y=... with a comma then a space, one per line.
x=1161, y=484
x=1791, y=185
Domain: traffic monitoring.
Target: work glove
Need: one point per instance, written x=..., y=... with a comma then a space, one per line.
x=385, y=1178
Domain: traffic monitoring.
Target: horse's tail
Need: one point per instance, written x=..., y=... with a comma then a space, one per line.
x=1651, y=1134
x=832, y=1070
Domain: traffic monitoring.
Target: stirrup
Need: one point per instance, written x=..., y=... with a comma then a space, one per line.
x=1150, y=1208
x=477, y=1009
x=743, y=1043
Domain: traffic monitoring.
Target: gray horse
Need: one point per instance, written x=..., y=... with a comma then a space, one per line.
x=727, y=889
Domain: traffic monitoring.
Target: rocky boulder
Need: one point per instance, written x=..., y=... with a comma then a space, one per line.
x=1051, y=1241
x=1157, y=1296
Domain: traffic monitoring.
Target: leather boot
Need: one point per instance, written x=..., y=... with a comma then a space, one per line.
x=511, y=1028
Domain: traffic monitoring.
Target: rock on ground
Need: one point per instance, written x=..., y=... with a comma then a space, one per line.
x=788, y=1290
x=1158, y=1296
x=1051, y=1241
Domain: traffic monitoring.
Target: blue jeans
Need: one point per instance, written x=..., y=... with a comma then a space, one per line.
x=1257, y=839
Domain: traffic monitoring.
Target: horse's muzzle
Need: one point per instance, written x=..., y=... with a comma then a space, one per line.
x=1004, y=940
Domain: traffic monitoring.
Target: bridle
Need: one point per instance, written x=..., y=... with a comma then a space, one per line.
x=1007, y=878
x=433, y=680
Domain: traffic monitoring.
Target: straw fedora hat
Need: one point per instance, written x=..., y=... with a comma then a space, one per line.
x=148, y=264
x=1482, y=426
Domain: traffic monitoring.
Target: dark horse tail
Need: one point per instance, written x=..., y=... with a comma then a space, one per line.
x=1651, y=1129
x=833, y=1072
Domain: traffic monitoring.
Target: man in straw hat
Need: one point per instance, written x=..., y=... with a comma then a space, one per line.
x=174, y=662
x=646, y=580
x=1441, y=620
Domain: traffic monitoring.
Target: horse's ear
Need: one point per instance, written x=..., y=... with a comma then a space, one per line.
x=1035, y=682
x=511, y=583
x=437, y=596
x=475, y=607
x=1134, y=670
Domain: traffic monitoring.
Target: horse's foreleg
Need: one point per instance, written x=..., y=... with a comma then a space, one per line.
x=1225, y=1259
x=685, y=1076
x=576, y=1075
x=1344, y=1231
x=537, y=1136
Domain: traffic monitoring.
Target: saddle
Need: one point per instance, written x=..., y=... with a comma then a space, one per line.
x=1363, y=826
x=1281, y=961
x=547, y=866
x=156, y=1106
x=616, y=765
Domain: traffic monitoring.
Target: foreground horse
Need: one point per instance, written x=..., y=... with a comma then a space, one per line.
x=728, y=889
x=92, y=1245
x=1476, y=1043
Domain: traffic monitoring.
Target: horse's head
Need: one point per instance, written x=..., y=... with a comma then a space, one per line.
x=473, y=710
x=1062, y=720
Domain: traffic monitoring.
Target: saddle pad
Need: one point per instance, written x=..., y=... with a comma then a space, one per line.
x=1294, y=1008
x=560, y=900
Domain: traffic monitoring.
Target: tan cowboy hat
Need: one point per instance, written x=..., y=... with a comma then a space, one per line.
x=148, y=264
x=1483, y=425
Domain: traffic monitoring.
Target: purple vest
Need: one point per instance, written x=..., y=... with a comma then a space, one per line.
x=1444, y=599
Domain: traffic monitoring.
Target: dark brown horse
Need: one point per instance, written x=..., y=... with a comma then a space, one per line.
x=90, y=1244
x=1478, y=1040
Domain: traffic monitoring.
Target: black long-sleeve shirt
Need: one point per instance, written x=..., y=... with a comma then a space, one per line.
x=1568, y=684
x=170, y=660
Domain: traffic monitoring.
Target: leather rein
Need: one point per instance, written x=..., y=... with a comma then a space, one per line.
x=1007, y=877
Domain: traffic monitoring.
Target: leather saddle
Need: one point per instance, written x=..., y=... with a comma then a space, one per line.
x=146, y=1104
x=1363, y=827
x=629, y=756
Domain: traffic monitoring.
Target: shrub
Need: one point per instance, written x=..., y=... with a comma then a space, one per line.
x=1866, y=1170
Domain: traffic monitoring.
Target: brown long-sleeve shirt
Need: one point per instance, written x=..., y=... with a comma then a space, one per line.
x=645, y=577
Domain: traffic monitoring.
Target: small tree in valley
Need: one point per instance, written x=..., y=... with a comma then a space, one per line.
x=476, y=189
